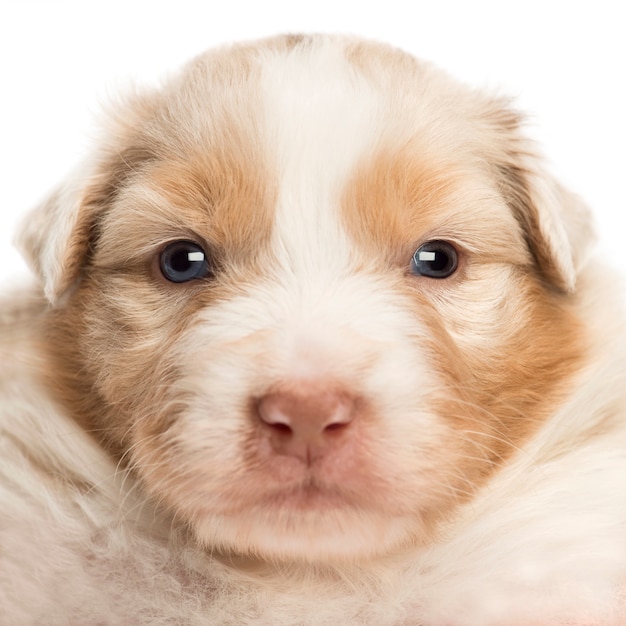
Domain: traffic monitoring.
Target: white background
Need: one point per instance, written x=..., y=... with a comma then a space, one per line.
x=564, y=61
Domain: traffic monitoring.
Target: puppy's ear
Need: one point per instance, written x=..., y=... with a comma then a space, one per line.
x=54, y=237
x=556, y=223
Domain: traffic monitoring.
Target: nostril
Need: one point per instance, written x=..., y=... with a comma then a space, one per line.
x=335, y=426
x=280, y=428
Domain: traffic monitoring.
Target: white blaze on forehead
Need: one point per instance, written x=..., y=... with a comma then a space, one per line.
x=321, y=119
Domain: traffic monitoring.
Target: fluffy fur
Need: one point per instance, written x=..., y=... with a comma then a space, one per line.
x=312, y=433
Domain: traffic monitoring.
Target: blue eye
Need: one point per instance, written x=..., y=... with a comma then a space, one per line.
x=435, y=259
x=182, y=261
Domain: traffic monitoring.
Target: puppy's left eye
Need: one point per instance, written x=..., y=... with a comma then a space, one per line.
x=182, y=261
x=435, y=259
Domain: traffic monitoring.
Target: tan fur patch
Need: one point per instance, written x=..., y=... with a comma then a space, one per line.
x=382, y=63
x=397, y=200
x=187, y=173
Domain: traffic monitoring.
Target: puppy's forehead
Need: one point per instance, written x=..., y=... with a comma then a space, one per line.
x=312, y=144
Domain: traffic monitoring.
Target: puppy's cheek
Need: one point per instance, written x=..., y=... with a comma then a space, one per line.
x=514, y=346
x=117, y=336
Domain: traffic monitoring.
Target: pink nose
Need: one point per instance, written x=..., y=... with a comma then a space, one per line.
x=305, y=424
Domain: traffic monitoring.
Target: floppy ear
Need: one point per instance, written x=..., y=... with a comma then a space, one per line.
x=560, y=230
x=54, y=237
x=556, y=223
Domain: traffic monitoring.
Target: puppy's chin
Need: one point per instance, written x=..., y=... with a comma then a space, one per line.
x=330, y=533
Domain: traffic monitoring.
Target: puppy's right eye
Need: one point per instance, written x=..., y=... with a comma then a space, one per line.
x=182, y=261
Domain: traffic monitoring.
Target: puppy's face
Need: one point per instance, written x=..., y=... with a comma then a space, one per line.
x=315, y=294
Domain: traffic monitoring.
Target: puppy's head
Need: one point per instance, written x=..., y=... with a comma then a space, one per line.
x=314, y=293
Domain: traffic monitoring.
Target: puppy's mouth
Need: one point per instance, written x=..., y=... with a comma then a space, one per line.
x=310, y=494
x=307, y=493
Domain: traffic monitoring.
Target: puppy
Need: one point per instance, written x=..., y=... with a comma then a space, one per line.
x=316, y=340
